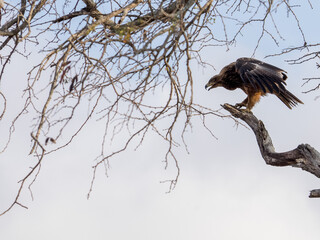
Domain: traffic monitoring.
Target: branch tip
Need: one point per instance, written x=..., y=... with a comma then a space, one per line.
x=315, y=193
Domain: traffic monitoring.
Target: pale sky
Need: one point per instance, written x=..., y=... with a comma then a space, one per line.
x=225, y=190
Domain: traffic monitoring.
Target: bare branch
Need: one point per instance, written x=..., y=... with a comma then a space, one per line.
x=304, y=156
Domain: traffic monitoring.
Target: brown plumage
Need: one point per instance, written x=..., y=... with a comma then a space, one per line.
x=256, y=79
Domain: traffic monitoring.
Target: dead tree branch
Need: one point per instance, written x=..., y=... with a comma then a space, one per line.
x=304, y=156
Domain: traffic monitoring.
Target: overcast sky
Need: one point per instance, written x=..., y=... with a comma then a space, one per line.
x=225, y=190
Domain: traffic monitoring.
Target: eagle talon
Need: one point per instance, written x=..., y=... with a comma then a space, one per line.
x=239, y=105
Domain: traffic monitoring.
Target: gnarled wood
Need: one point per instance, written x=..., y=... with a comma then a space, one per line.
x=304, y=156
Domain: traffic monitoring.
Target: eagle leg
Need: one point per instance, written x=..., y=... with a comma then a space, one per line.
x=252, y=99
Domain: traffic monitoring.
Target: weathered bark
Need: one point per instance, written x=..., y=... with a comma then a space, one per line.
x=304, y=156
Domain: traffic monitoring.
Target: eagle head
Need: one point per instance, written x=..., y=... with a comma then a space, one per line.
x=214, y=82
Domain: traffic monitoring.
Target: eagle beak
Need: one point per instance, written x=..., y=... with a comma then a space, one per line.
x=212, y=83
x=209, y=86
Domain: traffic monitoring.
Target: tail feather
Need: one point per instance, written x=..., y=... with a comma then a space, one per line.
x=288, y=99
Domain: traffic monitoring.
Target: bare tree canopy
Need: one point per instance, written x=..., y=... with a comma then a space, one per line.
x=128, y=63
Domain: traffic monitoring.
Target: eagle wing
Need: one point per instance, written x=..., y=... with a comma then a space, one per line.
x=262, y=76
x=267, y=78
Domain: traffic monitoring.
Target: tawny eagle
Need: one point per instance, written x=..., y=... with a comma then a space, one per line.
x=256, y=79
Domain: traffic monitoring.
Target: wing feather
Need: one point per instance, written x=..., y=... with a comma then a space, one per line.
x=249, y=79
x=257, y=82
x=270, y=86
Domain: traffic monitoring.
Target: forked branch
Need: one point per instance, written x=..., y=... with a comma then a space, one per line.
x=304, y=156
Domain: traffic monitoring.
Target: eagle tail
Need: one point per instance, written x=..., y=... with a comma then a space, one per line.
x=288, y=99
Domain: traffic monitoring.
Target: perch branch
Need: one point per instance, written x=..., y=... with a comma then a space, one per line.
x=304, y=156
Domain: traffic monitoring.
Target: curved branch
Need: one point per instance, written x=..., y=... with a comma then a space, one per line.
x=304, y=156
